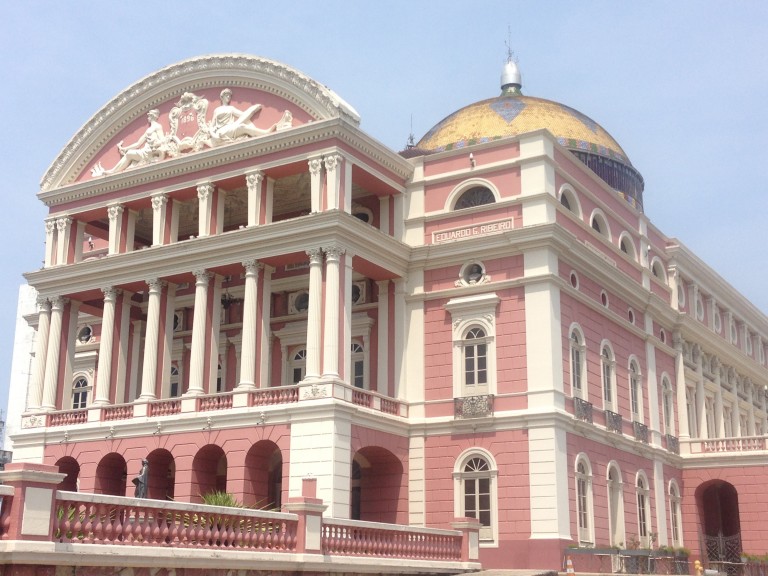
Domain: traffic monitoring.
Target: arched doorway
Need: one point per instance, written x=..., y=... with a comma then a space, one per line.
x=377, y=492
x=264, y=476
x=69, y=466
x=209, y=472
x=111, y=474
x=162, y=475
x=719, y=524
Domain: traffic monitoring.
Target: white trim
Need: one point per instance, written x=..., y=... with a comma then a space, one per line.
x=573, y=199
x=459, y=189
x=490, y=538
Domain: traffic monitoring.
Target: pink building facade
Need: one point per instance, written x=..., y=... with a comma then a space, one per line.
x=245, y=289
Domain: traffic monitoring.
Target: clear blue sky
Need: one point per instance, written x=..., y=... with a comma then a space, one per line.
x=682, y=86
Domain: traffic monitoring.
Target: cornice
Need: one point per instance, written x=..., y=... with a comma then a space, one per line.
x=193, y=74
x=259, y=242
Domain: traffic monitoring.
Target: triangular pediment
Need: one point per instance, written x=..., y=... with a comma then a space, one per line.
x=195, y=105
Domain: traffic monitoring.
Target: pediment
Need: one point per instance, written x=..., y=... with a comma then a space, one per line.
x=183, y=109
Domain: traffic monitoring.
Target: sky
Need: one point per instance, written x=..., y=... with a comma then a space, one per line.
x=682, y=86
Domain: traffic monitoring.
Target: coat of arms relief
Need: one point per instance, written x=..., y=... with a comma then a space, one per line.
x=191, y=131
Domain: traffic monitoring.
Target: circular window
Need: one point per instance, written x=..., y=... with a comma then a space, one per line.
x=631, y=316
x=302, y=302
x=663, y=336
x=176, y=322
x=574, y=280
x=355, y=293
x=604, y=298
x=84, y=335
x=473, y=273
x=718, y=322
x=364, y=216
x=734, y=333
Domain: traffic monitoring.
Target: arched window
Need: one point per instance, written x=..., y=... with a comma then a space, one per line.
x=584, y=509
x=608, y=376
x=657, y=269
x=476, y=492
x=569, y=200
x=615, y=506
x=635, y=392
x=80, y=389
x=674, y=514
x=599, y=224
x=668, y=404
x=475, y=196
x=643, y=510
x=358, y=365
x=578, y=365
x=627, y=246
x=298, y=365
x=219, y=379
x=475, y=360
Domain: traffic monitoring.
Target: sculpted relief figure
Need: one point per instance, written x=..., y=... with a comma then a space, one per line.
x=229, y=123
x=150, y=147
x=190, y=132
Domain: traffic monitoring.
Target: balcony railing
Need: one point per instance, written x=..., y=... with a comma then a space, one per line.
x=744, y=444
x=582, y=409
x=179, y=532
x=614, y=422
x=673, y=444
x=641, y=432
x=473, y=406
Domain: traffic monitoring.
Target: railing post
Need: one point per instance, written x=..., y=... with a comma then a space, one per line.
x=310, y=510
x=30, y=513
x=470, y=538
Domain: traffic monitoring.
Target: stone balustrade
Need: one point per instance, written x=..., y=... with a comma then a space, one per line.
x=33, y=510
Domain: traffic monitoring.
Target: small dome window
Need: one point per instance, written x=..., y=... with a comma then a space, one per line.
x=599, y=224
x=569, y=200
x=475, y=196
x=84, y=335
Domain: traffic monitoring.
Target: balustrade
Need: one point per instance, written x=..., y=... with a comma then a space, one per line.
x=641, y=432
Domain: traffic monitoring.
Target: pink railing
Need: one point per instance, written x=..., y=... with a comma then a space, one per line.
x=67, y=418
x=215, y=402
x=115, y=520
x=351, y=538
x=121, y=412
x=275, y=395
x=164, y=407
x=362, y=398
x=390, y=407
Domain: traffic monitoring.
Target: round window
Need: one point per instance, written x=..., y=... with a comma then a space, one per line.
x=85, y=334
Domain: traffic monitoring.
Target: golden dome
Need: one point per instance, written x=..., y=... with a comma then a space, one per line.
x=513, y=114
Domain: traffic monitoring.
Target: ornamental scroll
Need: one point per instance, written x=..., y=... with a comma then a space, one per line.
x=191, y=131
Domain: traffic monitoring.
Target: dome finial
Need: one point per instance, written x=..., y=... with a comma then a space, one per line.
x=511, y=80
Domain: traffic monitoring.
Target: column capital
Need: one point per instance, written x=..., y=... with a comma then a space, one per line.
x=50, y=225
x=63, y=223
x=252, y=266
x=332, y=161
x=333, y=253
x=58, y=302
x=315, y=255
x=43, y=304
x=110, y=293
x=315, y=165
x=204, y=190
x=159, y=200
x=202, y=277
x=155, y=285
x=115, y=211
x=254, y=178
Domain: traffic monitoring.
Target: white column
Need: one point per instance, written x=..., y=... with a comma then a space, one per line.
x=53, y=353
x=115, y=214
x=135, y=359
x=250, y=307
x=50, y=242
x=104, y=373
x=334, y=164
x=159, y=215
x=80, y=234
x=681, y=403
x=315, y=174
x=205, y=199
x=41, y=349
x=63, y=229
x=151, y=340
x=382, y=370
x=197, y=357
x=265, y=335
x=751, y=416
x=346, y=326
x=701, y=411
x=313, y=313
x=719, y=420
x=254, y=181
x=331, y=321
